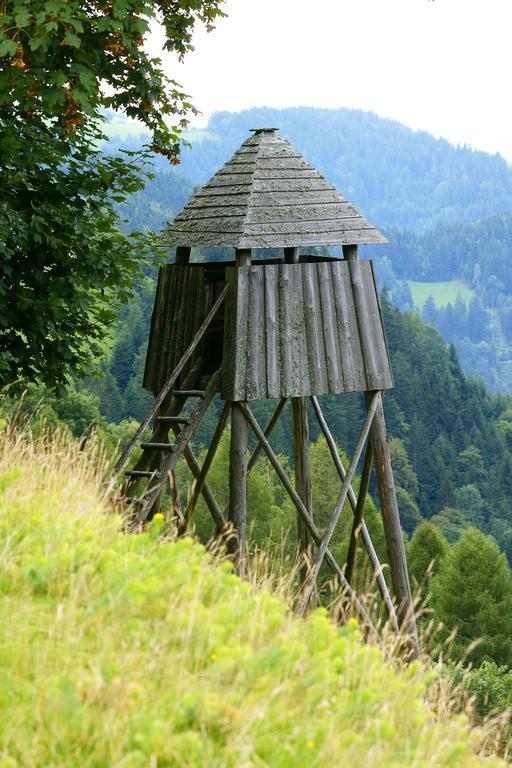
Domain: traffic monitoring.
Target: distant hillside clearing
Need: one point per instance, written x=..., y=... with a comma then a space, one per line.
x=443, y=293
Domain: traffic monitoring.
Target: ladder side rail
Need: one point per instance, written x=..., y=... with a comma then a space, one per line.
x=169, y=384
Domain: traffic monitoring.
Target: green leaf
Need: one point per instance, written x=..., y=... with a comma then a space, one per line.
x=22, y=18
x=8, y=48
x=71, y=39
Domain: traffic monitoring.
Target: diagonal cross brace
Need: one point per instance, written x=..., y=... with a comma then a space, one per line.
x=170, y=382
x=181, y=442
x=308, y=520
x=365, y=534
x=341, y=500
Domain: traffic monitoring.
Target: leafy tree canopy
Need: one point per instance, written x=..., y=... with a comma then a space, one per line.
x=64, y=264
x=66, y=59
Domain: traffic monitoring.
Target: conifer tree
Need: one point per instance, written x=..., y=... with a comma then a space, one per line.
x=473, y=592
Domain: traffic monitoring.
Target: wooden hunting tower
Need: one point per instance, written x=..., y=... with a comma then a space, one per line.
x=290, y=327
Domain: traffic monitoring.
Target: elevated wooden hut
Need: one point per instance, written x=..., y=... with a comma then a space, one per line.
x=291, y=327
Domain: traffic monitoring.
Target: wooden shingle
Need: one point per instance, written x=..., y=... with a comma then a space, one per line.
x=268, y=196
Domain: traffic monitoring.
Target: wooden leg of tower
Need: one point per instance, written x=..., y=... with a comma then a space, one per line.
x=302, y=476
x=238, y=484
x=391, y=522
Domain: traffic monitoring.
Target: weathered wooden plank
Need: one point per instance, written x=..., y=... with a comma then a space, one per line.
x=256, y=364
x=285, y=329
x=229, y=354
x=262, y=173
x=313, y=328
x=234, y=240
x=272, y=212
x=162, y=332
x=241, y=324
x=308, y=227
x=169, y=337
x=387, y=355
x=278, y=151
x=352, y=374
x=228, y=179
x=272, y=334
x=302, y=213
x=301, y=384
x=332, y=354
x=194, y=299
x=307, y=197
x=149, y=368
x=233, y=189
x=293, y=185
x=181, y=316
x=365, y=323
x=218, y=200
x=380, y=376
x=288, y=240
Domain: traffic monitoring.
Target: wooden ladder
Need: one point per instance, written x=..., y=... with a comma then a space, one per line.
x=159, y=455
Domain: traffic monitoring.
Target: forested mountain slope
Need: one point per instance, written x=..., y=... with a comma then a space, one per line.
x=396, y=176
x=478, y=255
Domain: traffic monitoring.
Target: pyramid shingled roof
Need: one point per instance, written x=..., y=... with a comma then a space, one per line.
x=268, y=196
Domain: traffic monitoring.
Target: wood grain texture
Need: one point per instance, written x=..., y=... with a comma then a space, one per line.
x=292, y=330
x=267, y=195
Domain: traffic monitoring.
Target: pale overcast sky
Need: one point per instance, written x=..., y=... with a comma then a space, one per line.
x=443, y=66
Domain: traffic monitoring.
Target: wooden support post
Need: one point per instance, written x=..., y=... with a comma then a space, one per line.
x=358, y=513
x=243, y=257
x=391, y=522
x=315, y=533
x=301, y=451
x=238, y=483
x=238, y=462
x=350, y=252
x=302, y=477
x=291, y=255
x=182, y=255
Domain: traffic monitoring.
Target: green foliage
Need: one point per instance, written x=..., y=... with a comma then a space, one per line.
x=65, y=60
x=492, y=687
x=473, y=591
x=425, y=553
x=133, y=650
x=65, y=266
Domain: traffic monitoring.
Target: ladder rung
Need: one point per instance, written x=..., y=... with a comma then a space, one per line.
x=173, y=419
x=141, y=473
x=189, y=392
x=158, y=446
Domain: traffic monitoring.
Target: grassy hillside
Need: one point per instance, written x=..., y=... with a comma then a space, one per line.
x=133, y=651
x=443, y=293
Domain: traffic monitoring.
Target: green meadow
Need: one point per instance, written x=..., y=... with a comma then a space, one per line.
x=443, y=292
